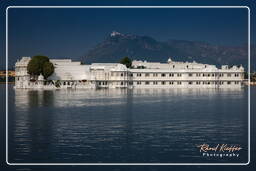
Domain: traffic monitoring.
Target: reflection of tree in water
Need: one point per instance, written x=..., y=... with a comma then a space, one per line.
x=40, y=98
x=33, y=100
x=40, y=117
x=48, y=98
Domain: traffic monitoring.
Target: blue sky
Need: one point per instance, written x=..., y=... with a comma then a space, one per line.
x=71, y=33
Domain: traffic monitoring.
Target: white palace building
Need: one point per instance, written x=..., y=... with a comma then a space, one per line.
x=142, y=74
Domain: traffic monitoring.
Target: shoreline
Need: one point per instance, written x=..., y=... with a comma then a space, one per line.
x=7, y=82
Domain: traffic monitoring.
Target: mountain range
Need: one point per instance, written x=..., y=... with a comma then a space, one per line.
x=117, y=45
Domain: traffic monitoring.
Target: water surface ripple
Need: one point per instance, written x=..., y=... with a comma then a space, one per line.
x=120, y=126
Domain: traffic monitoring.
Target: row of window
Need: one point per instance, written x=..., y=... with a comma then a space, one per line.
x=103, y=83
x=180, y=83
x=174, y=82
x=176, y=74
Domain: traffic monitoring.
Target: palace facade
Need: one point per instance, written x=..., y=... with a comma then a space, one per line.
x=142, y=74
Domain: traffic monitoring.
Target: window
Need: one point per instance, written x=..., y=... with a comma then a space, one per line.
x=122, y=74
x=130, y=83
x=138, y=83
x=229, y=75
x=179, y=83
x=131, y=75
x=122, y=83
x=155, y=75
x=171, y=83
x=198, y=75
x=147, y=75
x=155, y=82
x=198, y=82
x=173, y=66
x=236, y=75
x=229, y=82
x=163, y=74
x=213, y=75
x=209, y=75
x=190, y=74
x=190, y=82
x=138, y=74
x=179, y=75
x=147, y=82
x=163, y=83
x=171, y=75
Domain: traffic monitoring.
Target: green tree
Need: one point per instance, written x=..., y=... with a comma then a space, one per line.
x=40, y=65
x=48, y=69
x=127, y=62
x=33, y=67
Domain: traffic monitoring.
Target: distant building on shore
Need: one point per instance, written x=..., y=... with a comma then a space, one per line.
x=143, y=74
x=9, y=73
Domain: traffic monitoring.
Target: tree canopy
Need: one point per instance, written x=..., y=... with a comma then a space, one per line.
x=48, y=69
x=127, y=62
x=40, y=65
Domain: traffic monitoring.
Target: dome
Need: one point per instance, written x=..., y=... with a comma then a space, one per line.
x=40, y=77
x=119, y=67
x=241, y=67
x=169, y=60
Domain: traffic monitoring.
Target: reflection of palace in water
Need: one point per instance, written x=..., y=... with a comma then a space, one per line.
x=48, y=121
x=142, y=74
x=26, y=98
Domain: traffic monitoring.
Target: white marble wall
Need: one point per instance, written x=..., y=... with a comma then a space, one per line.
x=112, y=75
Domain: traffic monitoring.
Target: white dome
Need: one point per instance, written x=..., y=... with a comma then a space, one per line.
x=169, y=60
x=119, y=67
x=40, y=77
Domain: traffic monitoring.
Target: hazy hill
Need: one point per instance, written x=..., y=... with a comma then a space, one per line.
x=117, y=45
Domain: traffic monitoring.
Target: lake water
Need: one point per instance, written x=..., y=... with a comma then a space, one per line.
x=125, y=126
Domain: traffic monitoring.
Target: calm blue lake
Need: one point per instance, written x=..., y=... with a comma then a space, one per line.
x=125, y=126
